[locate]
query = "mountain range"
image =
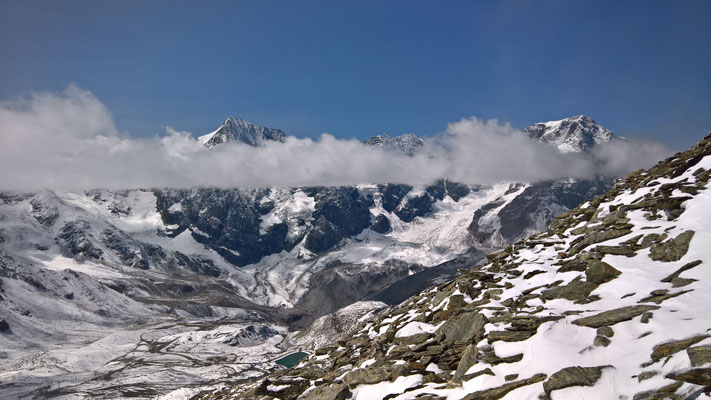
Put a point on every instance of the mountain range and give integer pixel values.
(609, 303)
(80, 271)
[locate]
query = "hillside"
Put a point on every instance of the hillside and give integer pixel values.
(611, 302)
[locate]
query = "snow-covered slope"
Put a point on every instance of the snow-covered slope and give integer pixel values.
(574, 134)
(610, 303)
(238, 130)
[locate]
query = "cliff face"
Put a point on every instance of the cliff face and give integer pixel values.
(610, 302)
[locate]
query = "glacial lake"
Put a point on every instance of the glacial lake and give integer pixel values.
(292, 359)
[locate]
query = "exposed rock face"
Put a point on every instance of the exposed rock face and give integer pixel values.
(381, 224)
(406, 143)
(551, 304)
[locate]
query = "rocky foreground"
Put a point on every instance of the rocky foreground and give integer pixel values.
(611, 303)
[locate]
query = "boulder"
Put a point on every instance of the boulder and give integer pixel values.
(601, 272)
(335, 391)
(611, 317)
(575, 290)
(367, 376)
(468, 359)
(503, 390)
(667, 349)
(699, 355)
(573, 376)
(464, 328)
(672, 249)
(697, 376)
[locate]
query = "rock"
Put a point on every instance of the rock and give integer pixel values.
(612, 317)
(381, 224)
(334, 391)
(510, 336)
(601, 341)
(468, 359)
(464, 328)
(673, 249)
(617, 250)
(367, 376)
(573, 376)
(501, 391)
(646, 375)
(667, 349)
(323, 236)
(605, 331)
(699, 355)
(4, 326)
(697, 376)
(575, 290)
(678, 272)
(511, 377)
(412, 339)
(601, 272)
(658, 296)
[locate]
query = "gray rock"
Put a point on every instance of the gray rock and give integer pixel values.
(464, 328)
(699, 355)
(612, 317)
(334, 391)
(503, 390)
(667, 349)
(573, 376)
(468, 359)
(697, 376)
(601, 272)
(673, 249)
(367, 376)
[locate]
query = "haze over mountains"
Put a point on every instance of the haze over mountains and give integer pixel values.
(69, 141)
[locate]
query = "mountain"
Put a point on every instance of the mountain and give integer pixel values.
(238, 130)
(609, 303)
(84, 271)
(575, 134)
(407, 143)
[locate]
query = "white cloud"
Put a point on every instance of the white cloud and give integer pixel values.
(69, 141)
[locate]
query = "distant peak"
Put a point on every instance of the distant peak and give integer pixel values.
(238, 130)
(578, 133)
(407, 143)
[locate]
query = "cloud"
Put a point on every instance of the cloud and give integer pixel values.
(69, 141)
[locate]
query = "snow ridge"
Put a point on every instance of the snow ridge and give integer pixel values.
(574, 134)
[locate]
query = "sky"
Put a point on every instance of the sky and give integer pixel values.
(356, 69)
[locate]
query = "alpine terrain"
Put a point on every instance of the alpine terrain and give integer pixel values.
(138, 293)
(611, 302)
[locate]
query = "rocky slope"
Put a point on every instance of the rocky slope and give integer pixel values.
(610, 302)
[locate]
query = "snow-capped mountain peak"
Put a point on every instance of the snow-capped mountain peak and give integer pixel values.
(574, 134)
(236, 129)
(407, 143)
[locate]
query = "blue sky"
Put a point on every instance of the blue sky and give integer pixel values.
(359, 68)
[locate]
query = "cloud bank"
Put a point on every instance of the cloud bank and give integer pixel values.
(69, 141)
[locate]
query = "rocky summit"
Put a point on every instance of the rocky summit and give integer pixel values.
(609, 303)
(241, 131)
